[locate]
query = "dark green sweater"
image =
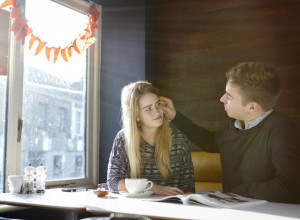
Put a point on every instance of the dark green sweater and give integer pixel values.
(262, 162)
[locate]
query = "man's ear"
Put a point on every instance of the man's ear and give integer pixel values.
(252, 107)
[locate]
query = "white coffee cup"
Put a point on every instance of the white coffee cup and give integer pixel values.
(137, 185)
(15, 183)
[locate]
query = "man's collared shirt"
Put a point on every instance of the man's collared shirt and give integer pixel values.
(253, 123)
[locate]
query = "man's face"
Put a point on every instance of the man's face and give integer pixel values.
(232, 100)
(150, 115)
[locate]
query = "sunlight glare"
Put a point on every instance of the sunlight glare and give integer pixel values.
(58, 26)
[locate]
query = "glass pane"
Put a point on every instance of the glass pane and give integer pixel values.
(54, 94)
(4, 25)
(2, 128)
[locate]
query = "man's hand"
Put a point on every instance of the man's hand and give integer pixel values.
(168, 107)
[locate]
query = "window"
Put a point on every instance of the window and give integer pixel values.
(4, 26)
(47, 96)
(78, 122)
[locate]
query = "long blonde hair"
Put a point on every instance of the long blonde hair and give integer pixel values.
(130, 97)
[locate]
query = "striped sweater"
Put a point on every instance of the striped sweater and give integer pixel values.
(182, 171)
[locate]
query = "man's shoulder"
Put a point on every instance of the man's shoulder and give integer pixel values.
(279, 124)
(278, 118)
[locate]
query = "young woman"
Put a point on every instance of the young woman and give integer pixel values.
(147, 147)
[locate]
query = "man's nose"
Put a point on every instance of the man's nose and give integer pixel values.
(223, 99)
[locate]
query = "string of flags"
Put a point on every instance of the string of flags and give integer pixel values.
(80, 43)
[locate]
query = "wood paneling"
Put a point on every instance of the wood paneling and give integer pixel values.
(191, 44)
(122, 61)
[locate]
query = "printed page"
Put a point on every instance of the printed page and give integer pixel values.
(172, 199)
(227, 200)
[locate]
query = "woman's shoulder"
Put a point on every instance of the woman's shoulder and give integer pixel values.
(179, 140)
(177, 133)
(120, 134)
(119, 138)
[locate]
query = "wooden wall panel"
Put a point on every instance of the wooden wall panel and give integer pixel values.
(193, 43)
(122, 61)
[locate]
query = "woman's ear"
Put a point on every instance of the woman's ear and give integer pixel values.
(138, 122)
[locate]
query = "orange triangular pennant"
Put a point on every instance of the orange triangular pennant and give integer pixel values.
(56, 52)
(39, 47)
(16, 13)
(95, 25)
(31, 41)
(95, 13)
(48, 50)
(7, 3)
(86, 35)
(75, 47)
(63, 54)
(70, 51)
(24, 32)
(21, 30)
(17, 25)
(92, 23)
(88, 43)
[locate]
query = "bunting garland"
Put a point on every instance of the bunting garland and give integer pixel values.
(21, 29)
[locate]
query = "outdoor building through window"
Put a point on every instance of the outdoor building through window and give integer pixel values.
(58, 107)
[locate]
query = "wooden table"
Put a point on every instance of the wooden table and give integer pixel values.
(86, 201)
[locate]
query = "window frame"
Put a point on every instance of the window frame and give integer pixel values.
(15, 99)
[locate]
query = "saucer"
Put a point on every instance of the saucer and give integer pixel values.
(136, 195)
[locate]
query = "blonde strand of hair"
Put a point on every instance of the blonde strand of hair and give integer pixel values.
(162, 149)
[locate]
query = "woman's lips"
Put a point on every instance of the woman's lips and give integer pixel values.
(159, 117)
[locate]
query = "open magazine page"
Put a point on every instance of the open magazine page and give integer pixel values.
(215, 199)
(226, 200)
(171, 199)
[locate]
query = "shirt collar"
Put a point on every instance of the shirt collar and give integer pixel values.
(253, 123)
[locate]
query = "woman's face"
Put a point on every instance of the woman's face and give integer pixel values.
(150, 115)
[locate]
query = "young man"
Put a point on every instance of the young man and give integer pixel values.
(259, 147)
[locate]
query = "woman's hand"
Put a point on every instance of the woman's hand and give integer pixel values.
(166, 190)
(168, 107)
(121, 185)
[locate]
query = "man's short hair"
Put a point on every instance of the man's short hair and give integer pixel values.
(257, 82)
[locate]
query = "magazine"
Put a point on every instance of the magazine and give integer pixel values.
(215, 199)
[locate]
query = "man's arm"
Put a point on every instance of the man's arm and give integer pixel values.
(196, 134)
